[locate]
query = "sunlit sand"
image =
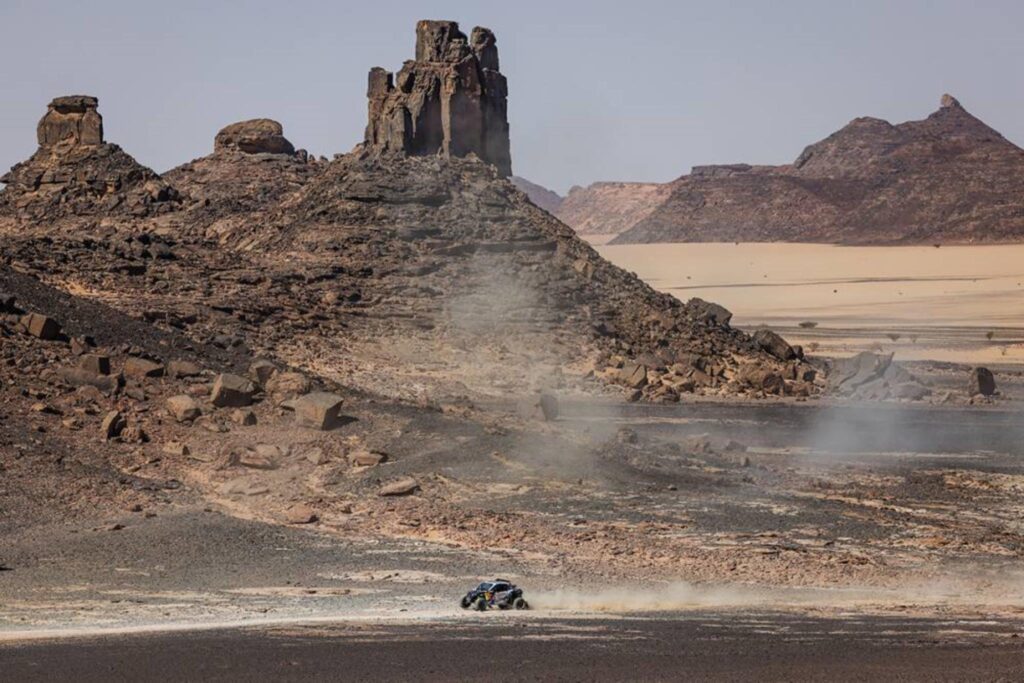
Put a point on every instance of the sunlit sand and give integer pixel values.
(952, 303)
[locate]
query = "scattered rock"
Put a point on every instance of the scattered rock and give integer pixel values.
(113, 424)
(183, 369)
(183, 408)
(232, 391)
(364, 458)
(77, 377)
(176, 448)
(774, 344)
(287, 385)
(399, 487)
(261, 371)
(318, 410)
(142, 368)
(549, 407)
(41, 326)
(300, 514)
(94, 364)
(245, 418)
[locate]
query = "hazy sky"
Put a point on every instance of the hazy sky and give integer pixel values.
(625, 90)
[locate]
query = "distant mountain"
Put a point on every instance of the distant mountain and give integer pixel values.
(948, 178)
(538, 194)
(610, 208)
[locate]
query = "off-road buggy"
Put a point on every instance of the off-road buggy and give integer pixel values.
(499, 593)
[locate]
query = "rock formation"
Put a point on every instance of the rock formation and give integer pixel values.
(256, 136)
(538, 194)
(451, 100)
(71, 120)
(252, 166)
(609, 208)
(75, 174)
(947, 178)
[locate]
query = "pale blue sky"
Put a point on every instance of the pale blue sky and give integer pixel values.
(627, 90)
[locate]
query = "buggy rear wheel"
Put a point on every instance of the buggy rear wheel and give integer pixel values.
(520, 603)
(480, 605)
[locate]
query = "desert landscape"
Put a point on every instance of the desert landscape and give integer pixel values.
(268, 414)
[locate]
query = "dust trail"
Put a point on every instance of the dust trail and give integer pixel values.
(678, 595)
(964, 589)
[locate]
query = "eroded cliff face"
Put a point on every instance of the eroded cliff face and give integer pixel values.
(451, 100)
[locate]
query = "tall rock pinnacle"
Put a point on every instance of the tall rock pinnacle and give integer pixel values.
(451, 100)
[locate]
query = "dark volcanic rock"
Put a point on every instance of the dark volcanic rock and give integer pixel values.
(982, 382)
(74, 173)
(253, 165)
(948, 178)
(451, 100)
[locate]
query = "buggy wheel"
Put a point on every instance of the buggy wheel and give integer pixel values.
(480, 605)
(465, 602)
(520, 603)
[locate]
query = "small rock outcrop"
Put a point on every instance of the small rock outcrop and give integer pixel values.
(256, 136)
(71, 120)
(75, 173)
(451, 100)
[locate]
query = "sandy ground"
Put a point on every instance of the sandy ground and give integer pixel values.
(958, 304)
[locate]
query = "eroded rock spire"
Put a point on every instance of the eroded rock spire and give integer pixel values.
(451, 100)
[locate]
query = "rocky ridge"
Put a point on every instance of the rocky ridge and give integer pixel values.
(946, 179)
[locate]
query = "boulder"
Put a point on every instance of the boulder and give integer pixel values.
(775, 345)
(318, 410)
(982, 382)
(633, 375)
(41, 326)
(142, 368)
(183, 408)
(232, 391)
(707, 312)
(77, 377)
(399, 487)
(255, 136)
(261, 371)
(364, 458)
(182, 369)
(94, 364)
(113, 424)
(287, 385)
(300, 513)
(549, 407)
(244, 418)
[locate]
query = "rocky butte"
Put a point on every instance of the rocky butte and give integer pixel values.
(76, 174)
(947, 178)
(451, 100)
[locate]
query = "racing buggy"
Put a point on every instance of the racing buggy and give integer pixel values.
(499, 593)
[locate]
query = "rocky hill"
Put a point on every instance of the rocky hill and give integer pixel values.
(946, 179)
(75, 174)
(411, 272)
(610, 208)
(546, 199)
